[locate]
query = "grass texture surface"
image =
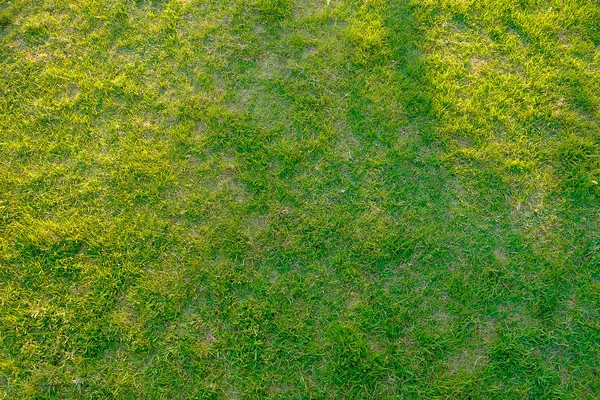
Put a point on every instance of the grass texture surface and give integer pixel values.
(309, 199)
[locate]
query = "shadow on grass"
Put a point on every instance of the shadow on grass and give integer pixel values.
(443, 191)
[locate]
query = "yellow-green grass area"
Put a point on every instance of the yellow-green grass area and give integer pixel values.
(303, 199)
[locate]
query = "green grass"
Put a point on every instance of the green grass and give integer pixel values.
(299, 199)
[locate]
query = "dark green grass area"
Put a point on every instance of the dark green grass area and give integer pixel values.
(299, 199)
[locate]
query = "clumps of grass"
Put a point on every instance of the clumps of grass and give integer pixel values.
(369, 32)
(48, 241)
(272, 11)
(579, 159)
(593, 252)
(5, 20)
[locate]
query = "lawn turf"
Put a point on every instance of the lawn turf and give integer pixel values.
(299, 199)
